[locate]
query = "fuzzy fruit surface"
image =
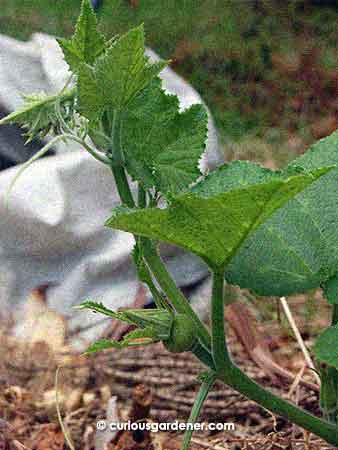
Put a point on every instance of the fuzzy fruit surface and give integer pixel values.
(182, 336)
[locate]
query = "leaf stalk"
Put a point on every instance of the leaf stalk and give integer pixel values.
(156, 266)
(219, 347)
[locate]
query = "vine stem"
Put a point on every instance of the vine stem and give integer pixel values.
(151, 257)
(156, 265)
(238, 380)
(168, 285)
(231, 375)
(196, 409)
(123, 186)
(43, 151)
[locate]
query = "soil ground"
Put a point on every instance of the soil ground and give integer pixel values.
(151, 384)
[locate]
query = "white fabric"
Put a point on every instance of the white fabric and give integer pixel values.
(52, 231)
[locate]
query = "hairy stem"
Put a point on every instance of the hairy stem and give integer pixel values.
(175, 295)
(156, 266)
(44, 150)
(204, 355)
(238, 380)
(123, 186)
(219, 347)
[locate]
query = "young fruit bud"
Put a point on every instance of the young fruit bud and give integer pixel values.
(182, 336)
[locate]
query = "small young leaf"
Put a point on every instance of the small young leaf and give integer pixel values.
(163, 146)
(103, 344)
(160, 320)
(326, 347)
(145, 336)
(101, 309)
(117, 75)
(38, 113)
(330, 288)
(87, 42)
(215, 226)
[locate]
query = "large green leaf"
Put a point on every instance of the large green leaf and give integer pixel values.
(326, 347)
(323, 153)
(163, 146)
(87, 42)
(214, 222)
(116, 76)
(296, 249)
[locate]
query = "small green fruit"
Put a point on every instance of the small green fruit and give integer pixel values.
(182, 335)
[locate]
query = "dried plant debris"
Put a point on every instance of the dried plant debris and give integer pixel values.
(149, 384)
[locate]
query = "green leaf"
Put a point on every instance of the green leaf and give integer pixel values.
(330, 288)
(38, 113)
(103, 344)
(159, 320)
(142, 270)
(117, 76)
(326, 347)
(163, 146)
(87, 42)
(98, 307)
(323, 153)
(296, 249)
(147, 335)
(136, 337)
(92, 101)
(211, 223)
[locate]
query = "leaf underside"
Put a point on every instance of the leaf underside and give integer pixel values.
(296, 249)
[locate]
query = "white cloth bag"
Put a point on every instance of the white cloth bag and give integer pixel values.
(52, 231)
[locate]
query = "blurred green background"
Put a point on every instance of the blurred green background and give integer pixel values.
(267, 69)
